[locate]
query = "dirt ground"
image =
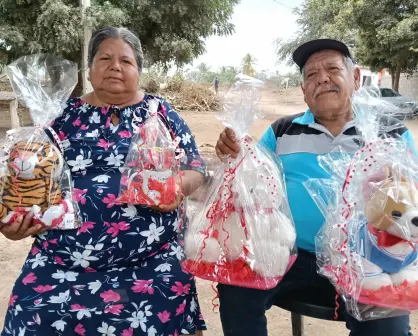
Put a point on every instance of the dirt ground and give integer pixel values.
(206, 129)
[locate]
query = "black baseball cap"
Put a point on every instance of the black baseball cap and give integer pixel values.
(304, 51)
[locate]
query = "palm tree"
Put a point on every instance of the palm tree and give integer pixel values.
(248, 63)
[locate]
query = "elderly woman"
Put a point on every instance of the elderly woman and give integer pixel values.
(119, 273)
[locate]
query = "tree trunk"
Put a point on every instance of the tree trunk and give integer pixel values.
(395, 83)
(78, 90)
(392, 76)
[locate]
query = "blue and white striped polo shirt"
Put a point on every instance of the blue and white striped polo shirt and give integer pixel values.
(299, 140)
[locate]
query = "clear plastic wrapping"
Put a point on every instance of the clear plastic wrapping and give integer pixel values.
(368, 245)
(151, 170)
(33, 174)
(243, 233)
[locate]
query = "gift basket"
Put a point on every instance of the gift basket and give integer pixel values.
(243, 233)
(368, 246)
(33, 175)
(151, 174)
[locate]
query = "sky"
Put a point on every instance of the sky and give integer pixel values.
(258, 23)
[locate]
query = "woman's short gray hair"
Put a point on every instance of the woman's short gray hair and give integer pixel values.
(116, 33)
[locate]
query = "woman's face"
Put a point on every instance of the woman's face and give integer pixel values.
(114, 69)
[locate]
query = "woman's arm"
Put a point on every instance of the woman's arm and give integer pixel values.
(190, 182)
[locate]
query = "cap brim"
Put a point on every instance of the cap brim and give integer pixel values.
(306, 50)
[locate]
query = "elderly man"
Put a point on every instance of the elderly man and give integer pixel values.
(329, 81)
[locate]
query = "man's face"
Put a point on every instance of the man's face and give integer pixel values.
(328, 84)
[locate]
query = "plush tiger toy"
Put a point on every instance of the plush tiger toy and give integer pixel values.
(32, 185)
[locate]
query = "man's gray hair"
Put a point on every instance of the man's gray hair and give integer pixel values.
(348, 61)
(116, 33)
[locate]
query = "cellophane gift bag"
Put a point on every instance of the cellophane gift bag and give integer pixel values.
(243, 233)
(368, 246)
(151, 174)
(34, 177)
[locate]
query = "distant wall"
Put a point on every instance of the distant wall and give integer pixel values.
(408, 85)
(5, 121)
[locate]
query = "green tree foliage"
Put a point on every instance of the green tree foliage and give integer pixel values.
(203, 74)
(381, 33)
(295, 78)
(40, 26)
(387, 35)
(172, 31)
(227, 74)
(248, 63)
(315, 20)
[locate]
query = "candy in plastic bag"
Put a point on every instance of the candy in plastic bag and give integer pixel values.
(368, 246)
(33, 174)
(152, 164)
(243, 233)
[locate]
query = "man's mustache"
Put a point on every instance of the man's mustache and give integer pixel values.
(328, 88)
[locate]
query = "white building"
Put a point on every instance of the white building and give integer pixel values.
(368, 78)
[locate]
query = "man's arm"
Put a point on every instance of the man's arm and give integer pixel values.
(407, 136)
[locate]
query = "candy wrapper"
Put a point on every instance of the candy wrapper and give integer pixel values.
(368, 245)
(243, 234)
(152, 164)
(33, 175)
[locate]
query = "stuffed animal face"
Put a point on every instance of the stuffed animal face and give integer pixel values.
(32, 160)
(402, 211)
(392, 206)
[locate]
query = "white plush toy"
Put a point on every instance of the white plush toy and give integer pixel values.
(245, 224)
(271, 233)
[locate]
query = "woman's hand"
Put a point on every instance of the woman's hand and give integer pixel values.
(189, 182)
(21, 228)
(173, 206)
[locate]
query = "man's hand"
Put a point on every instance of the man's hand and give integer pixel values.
(21, 228)
(227, 145)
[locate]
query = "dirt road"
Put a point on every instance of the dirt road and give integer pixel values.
(206, 129)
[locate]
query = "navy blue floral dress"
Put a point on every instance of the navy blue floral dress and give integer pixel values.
(119, 274)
